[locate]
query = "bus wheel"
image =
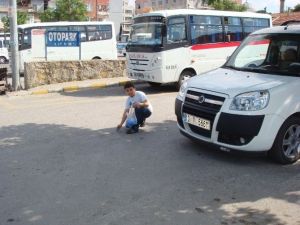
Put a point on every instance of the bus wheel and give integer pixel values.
(96, 58)
(154, 85)
(185, 75)
(286, 148)
(2, 60)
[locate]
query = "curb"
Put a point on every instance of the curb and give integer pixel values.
(74, 88)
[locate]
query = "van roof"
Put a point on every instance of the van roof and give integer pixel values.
(292, 29)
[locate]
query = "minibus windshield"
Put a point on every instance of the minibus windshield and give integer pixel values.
(146, 34)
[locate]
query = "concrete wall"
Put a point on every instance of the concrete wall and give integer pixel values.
(40, 73)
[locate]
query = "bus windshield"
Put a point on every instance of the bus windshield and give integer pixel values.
(146, 34)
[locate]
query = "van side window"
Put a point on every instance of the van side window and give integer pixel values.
(176, 31)
(288, 54)
(233, 29)
(206, 29)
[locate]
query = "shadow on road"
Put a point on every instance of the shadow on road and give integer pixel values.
(56, 174)
(119, 91)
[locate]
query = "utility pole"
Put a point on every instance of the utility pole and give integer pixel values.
(14, 45)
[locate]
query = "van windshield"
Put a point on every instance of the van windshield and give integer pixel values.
(271, 54)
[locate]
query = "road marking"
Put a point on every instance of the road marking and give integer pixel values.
(40, 92)
(98, 85)
(71, 88)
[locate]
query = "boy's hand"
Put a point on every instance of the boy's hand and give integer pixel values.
(137, 105)
(119, 126)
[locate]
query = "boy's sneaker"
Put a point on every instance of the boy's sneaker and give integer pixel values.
(143, 123)
(132, 130)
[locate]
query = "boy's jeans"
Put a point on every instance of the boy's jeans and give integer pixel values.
(141, 114)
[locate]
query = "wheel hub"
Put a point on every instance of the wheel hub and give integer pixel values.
(291, 142)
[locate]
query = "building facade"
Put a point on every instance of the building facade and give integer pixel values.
(98, 10)
(143, 6)
(121, 13)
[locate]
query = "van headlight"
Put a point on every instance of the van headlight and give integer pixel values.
(251, 101)
(182, 89)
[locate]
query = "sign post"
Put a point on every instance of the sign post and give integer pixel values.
(14, 45)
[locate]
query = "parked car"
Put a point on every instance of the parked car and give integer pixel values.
(252, 103)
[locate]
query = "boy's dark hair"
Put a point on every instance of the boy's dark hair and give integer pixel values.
(128, 84)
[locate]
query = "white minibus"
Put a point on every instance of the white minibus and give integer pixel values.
(97, 41)
(4, 46)
(173, 45)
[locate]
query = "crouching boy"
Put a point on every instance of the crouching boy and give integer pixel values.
(142, 107)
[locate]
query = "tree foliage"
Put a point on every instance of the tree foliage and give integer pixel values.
(227, 5)
(22, 17)
(297, 8)
(66, 10)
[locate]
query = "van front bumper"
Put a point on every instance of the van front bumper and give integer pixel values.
(234, 131)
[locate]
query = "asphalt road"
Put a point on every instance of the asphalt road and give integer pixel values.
(62, 162)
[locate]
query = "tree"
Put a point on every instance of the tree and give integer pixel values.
(297, 8)
(66, 10)
(228, 5)
(48, 16)
(22, 17)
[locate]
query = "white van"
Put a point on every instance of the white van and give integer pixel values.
(4, 57)
(252, 103)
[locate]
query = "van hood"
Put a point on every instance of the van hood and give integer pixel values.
(234, 82)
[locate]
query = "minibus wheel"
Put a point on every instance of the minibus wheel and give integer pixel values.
(286, 148)
(2, 60)
(185, 75)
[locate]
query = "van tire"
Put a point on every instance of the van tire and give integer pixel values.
(288, 137)
(2, 60)
(186, 74)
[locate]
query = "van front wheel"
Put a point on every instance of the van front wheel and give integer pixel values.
(286, 148)
(185, 75)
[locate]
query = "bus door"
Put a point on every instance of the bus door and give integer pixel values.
(177, 48)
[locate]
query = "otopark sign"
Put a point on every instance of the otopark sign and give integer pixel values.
(63, 39)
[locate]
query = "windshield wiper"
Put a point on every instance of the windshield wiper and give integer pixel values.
(233, 68)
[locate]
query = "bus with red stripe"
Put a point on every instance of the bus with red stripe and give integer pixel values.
(173, 45)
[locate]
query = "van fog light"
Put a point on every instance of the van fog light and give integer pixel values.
(242, 140)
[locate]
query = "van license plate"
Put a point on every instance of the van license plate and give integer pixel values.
(196, 121)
